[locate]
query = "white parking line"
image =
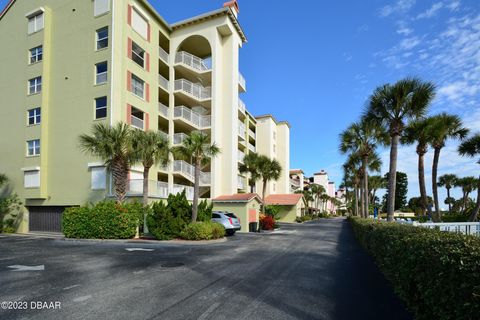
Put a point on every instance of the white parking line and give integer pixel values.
(207, 313)
(71, 287)
(81, 299)
(138, 249)
(19, 267)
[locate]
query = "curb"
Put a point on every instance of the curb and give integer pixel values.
(143, 241)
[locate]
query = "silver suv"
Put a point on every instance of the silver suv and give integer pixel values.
(228, 220)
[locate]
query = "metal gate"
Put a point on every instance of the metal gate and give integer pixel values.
(46, 219)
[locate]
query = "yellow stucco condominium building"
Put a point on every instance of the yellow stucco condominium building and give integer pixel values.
(69, 64)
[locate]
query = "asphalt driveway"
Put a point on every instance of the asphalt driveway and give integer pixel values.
(309, 271)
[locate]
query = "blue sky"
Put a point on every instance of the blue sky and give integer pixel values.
(314, 63)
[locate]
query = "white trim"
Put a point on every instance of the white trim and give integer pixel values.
(30, 169)
(136, 169)
(35, 12)
(95, 164)
(141, 12)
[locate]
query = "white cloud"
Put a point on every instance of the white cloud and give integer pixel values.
(404, 31)
(431, 11)
(409, 43)
(457, 90)
(401, 6)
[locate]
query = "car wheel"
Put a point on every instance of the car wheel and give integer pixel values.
(230, 232)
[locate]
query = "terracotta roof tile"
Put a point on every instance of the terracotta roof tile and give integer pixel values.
(283, 199)
(238, 197)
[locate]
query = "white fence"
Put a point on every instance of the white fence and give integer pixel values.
(472, 228)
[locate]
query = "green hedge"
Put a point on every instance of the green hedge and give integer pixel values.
(203, 231)
(436, 273)
(104, 220)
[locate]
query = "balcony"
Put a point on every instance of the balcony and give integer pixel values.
(252, 134)
(241, 130)
(251, 147)
(242, 84)
(241, 106)
(195, 119)
(188, 171)
(156, 189)
(240, 183)
(164, 56)
(163, 82)
(136, 122)
(192, 62)
(193, 90)
(240, 156)
(163, 134)
(178, 188)
(178, 138)
(163, 110)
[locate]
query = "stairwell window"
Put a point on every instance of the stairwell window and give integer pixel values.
(102, 38)
(35, 22)
(139, 23)
(101, 70)
(138, 54)
(33, 148)
(36, 54)
(34, 116)
(101, 108)
(101, 7)
(35, 85)
(137, 87)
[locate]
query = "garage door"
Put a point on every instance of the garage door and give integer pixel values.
(46, 219)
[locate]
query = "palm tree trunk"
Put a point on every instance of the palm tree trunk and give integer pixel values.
(356, 199)
(465, 198)
(392, 177)
(421, 182)
(449, 203)
(146, 170)
(474, 214)
(436, 156)
(196, 188)
(264, 191)
(120, 180)
(365, 185)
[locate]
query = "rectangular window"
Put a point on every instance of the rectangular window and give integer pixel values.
(102, 38)
(137, 118)
(35, 85)
(34, 116)
(137, 86)
(100, 107)
(138, 54)
(99, 178)
(31, 179)
(139, 24)
(35, 23)
(36, 54)
(33, 147)
(101, 72)
(100, 7)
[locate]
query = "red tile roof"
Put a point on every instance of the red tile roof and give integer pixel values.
(238, 197)
(283, 199)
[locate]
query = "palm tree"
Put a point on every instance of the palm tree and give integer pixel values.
(150, 148)
(363, 137)
(269, 169)
(250, 167)
(325, 198)
(448, 181)
(307, 197)
(114, 146)
(376, 182)
(468, 184)
(471, 148)
(198, 148)
(443, 127)
(418, 131)
(3, 179)
(353, 173)
(317, 190)
(393, 106)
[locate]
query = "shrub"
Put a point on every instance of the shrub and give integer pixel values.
(203, 231)
(267, 222)
(104, 220)
(454, 218)
(168, 220)
(436, 273)
(298, 219)
(204, 211)
(273, 211)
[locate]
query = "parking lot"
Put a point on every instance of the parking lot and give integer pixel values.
(308, 271)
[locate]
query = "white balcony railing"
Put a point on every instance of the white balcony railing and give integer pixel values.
(163, 82)
(178, 188)
(240, 156)
(472, 228)
(191, 61)
(193, 89)
(241, 105)
(163, 134)
(196, 119)
(178, 138)
(163, 109)
(189, 171)
(136, 122)
(162, 189)
(241, 129)
(163, 55)
(241, 183)
(205, 178)
(252, 134)
(242, 82)
(251, 147)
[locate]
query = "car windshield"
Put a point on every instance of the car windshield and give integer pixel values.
(231, 215)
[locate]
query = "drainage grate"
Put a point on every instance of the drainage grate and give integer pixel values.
(172, 265)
